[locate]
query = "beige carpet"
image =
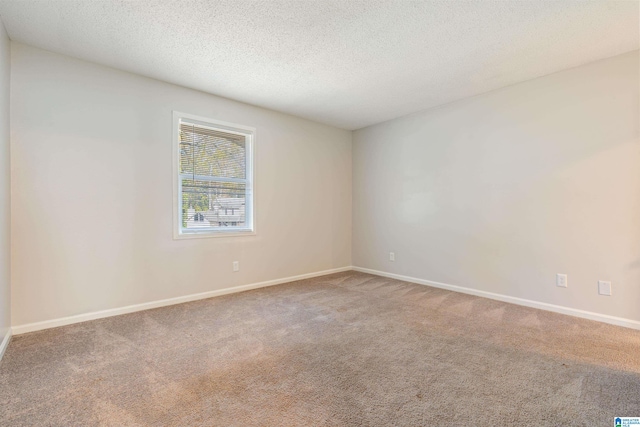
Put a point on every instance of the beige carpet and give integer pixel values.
(348, 349)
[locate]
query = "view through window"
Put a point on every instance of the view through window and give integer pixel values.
(214, 178)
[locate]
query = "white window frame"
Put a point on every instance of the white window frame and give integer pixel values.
(250, 212)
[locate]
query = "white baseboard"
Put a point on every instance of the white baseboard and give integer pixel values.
(5, 343)
(54, 323)
(619, 321)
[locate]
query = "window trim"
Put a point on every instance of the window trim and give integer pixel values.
(250, 205)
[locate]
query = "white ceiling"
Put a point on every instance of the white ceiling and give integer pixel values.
(348, 63)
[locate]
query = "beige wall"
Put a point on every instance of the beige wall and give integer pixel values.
(497, 193)
(5, 186)
(92, 187)
(502, 191)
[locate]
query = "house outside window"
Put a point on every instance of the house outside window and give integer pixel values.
(213, 177)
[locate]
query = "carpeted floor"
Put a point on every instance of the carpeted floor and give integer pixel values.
(348, 349)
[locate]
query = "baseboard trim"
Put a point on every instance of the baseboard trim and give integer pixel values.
(54, 323)
(5, 343)
(619, 321)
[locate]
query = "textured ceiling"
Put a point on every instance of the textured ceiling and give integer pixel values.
(348, 63)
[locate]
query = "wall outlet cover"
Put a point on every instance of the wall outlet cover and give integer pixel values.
(562, 280)
(604, 287)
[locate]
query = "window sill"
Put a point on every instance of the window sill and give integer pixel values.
(213, 234)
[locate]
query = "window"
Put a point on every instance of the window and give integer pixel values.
(213, 172)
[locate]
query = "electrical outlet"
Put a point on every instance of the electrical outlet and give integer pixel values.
(236, 266)
(604, 287)
(562, 280)
(392, 256)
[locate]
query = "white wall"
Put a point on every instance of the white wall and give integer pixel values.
(92, 192)
(5, 186)
(502, 191)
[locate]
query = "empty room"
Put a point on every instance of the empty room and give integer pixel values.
(319, 213)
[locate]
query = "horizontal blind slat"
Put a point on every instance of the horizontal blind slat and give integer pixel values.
(205, 151)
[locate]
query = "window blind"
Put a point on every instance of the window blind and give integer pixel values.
(212, 178)
(208, 152)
